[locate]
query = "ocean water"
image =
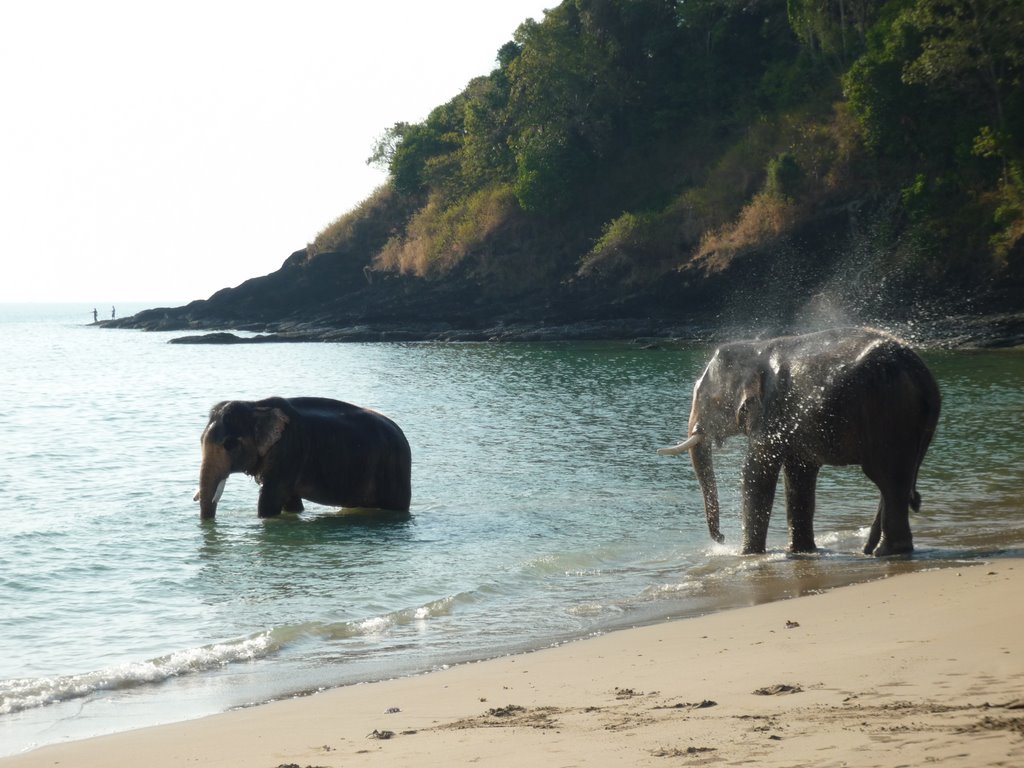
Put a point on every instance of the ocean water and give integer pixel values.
(541, 515)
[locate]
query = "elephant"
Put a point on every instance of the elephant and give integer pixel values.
(835, 397)
(312, 448)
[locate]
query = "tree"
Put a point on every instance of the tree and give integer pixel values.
(974, 48)
(555, 122)
(832, 28)
(939, 91)
(416, 154)
(387, 145)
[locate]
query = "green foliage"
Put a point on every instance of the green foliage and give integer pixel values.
(640, 134)
(624, 246)
(563, 102)
(835, 29)
(1009, 213)
(485, 154)
(440, 236)
(939, 91)
(416, 154)
(546, 167)
(784, 176)
(972, 48)
(362, 227)
(792, 82)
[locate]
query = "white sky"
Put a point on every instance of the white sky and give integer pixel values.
(159, 151)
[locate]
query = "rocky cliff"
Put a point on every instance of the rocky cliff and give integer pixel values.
(816, 277)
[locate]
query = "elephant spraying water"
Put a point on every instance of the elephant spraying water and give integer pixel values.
(836, 397)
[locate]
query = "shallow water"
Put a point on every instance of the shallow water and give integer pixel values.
(540, 514)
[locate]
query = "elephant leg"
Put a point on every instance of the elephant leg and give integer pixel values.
(294, 504)
(896, 538)
(273, 499)
(893, 519)
(760, 477)
(876, 531)
(801, 481)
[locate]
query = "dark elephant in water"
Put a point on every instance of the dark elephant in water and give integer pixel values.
(837, 397)
(312, 448)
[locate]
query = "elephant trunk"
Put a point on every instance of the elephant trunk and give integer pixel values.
(703, 465)
(213, 474)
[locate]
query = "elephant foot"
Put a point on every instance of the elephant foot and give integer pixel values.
(886, 548)
(798, 546)
(803, 550)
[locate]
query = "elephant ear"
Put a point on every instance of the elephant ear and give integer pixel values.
(270, 425)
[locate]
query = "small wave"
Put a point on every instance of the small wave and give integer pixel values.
(563, 564)
(844, 539)
(672, 590)
(591, 610)
(27, 693)
(376, 625)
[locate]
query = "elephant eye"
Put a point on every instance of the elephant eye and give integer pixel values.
(230, 443)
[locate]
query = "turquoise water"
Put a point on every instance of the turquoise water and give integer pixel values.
(541, 514)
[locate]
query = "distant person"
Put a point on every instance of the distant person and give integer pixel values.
(113, 312)
(95, 315)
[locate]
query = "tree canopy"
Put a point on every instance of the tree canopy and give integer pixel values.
(633, 137)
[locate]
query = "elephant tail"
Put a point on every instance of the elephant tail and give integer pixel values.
(915, 500)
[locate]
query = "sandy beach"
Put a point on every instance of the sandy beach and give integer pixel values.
(911, 670)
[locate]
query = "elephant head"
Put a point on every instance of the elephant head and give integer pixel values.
(728, 399)
(237, 439)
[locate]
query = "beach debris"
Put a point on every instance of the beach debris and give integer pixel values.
(988, 723)
(392, 711)
(676, 752)
(778, 690)
(629, 693)
(506, 711)
(792, 624)
(382, 735)
(510, 716)
(690, 705)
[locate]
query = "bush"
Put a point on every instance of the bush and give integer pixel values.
(783, 176)
(623, 244)
(439, 236)
(764, 219)
(383, 205)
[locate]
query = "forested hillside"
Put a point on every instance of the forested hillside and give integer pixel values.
(656, 158)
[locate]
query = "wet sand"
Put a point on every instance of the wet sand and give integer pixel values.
(914, 669)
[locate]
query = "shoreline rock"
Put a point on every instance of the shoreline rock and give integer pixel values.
(1003, 331)
(328, 299)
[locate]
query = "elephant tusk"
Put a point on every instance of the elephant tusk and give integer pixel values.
(216, 494)
(682, 447)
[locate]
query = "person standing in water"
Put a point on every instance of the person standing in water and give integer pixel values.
(112, 313)
(95, 315)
